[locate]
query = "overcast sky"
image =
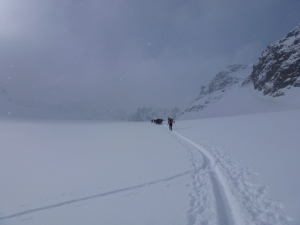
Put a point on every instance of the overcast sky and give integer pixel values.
(124, 54)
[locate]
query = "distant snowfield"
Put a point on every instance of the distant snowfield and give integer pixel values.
(140, 173)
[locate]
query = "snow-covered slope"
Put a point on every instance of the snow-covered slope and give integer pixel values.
(241, 101)
(215, 99)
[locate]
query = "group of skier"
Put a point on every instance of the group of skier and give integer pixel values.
(160, 121)
(157, 121)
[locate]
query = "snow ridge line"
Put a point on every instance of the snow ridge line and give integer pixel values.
(218, 180)
(98, 195)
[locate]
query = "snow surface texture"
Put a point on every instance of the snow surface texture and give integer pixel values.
(141, 173)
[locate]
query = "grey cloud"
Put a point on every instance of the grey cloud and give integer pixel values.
(130, 53)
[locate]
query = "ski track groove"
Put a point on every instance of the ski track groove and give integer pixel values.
(208, 165)
(238, 200)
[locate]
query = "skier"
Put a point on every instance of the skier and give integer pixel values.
(170, 122)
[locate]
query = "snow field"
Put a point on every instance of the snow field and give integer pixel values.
(141, 173)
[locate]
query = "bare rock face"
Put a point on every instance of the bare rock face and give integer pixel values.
(279, 66)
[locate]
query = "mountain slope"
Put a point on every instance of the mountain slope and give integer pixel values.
(224, 82)
(242, 90)
(240, 100)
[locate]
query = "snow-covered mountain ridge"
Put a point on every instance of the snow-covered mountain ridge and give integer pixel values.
(270, 85)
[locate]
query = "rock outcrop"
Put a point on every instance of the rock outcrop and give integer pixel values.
(279, 66)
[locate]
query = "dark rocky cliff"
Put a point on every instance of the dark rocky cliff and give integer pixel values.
(279, 66)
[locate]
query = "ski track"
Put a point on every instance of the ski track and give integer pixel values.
(237, 200)
(73, 201)
(226, 215)
(207, 205)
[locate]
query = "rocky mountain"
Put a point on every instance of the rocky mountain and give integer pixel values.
(276, 74)
(279, 66)
(149, 113)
